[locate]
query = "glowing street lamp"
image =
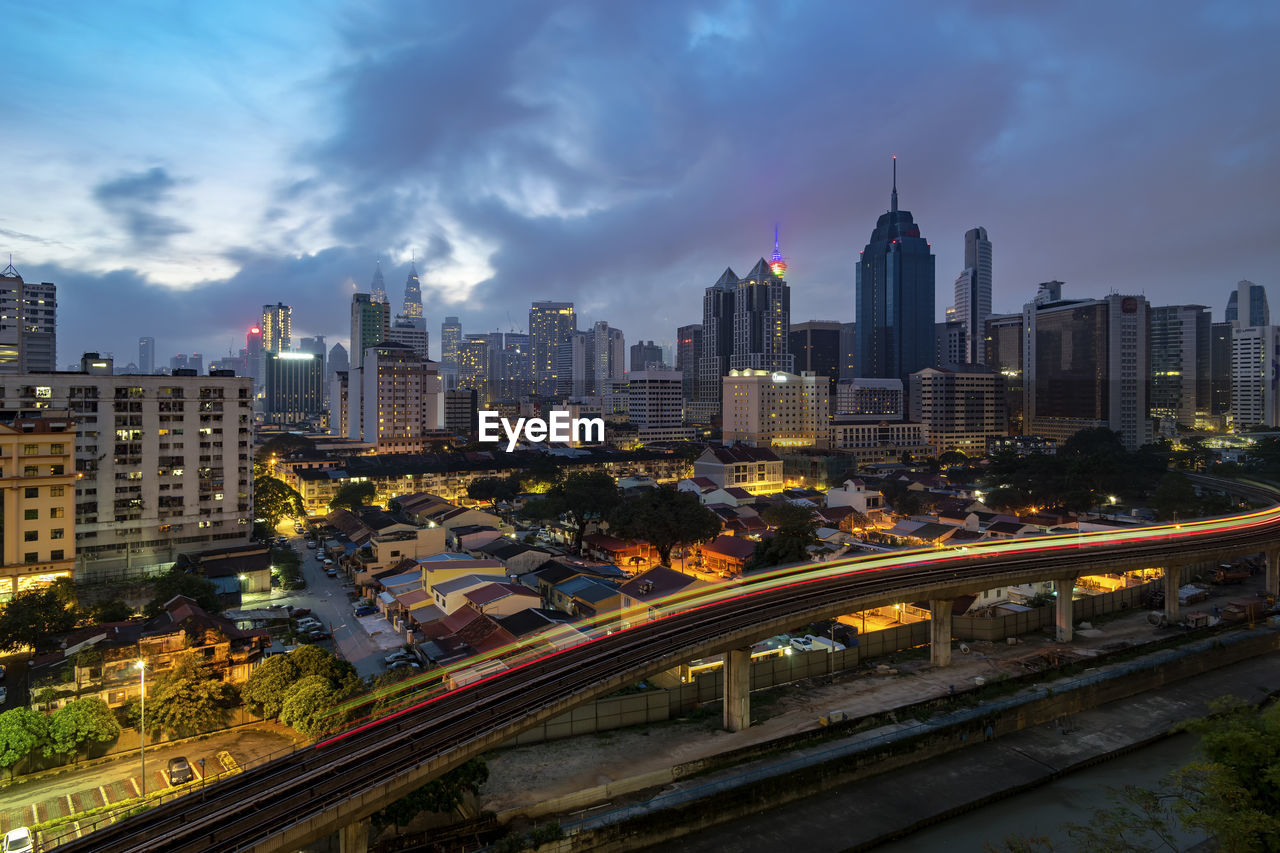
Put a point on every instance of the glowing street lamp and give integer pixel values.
(142, 719)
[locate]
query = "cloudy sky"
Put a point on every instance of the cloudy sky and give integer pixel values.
(173, 166)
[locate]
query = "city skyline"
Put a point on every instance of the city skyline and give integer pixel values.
(530, 191)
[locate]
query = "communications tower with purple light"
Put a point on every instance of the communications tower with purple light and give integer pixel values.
(776, 261)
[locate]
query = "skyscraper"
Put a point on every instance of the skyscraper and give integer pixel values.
(895, 297)
(645, 353)
(1255, 377)
(688, 350)
(28, 324)
(1086, 364)
(253, 353)
(815, 346)
(761, 320)
(1180, 359)
(378, 289)
(973, 293)
(403, 331)
(413, 299)
(277, 327)
(293, 387)
(717, 346)
(475, 367)
(516, 378)
(1220, 368)
(550, 326)
(394, 398)
(370, 325)
(1004, 354)
(450, 337)
(146, 356)
(609, 356)
(1253, 297)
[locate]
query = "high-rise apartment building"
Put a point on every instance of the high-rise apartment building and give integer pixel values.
(393, 399)
(815, 346)
(277, 327)
(475, 367)
(515, 377)
(973, 294)
(644, 354)
(253, 353)
(608, 356)
(412, 313)
(895, 297)
(293, 387)
(1247, 306)
(960, 407)
(862, 399)
(1181, 380)
(1003, 346)
(370, 325)
(550, 326)
(146, 356)
(461, 413)
(164, 463)
(848, 350)
(403, 331)
(28, 324)
(1086, 364)
(763, 408)
(717, 346)
(1255, 377)
(450, 337)
(688, 350)
(37, 500)
(948, 344)
(654, 403)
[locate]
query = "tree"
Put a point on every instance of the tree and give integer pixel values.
(34, 619)
(269, 685)
(22, 732)
(791, 520)
(114, 610)
(353, 496)
(284, 445)
(179, 582)
(313, 660)
(189, 699)
(665, 518)
(439, 795)
(81, 723)
(493, 489)
(794, 525)
(777, 551)
(274, 500)
(583, 496)
(1175, 497)
(542, 472)
(309, 701)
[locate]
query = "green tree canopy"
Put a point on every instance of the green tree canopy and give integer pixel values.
(81, 723)
(309, 701)
(284, 445)
(1175, 497)
(113, 610)
(275, 500)
(791, 520)
(34, 619)
(665, 518)
(22, 732)
(268, 685)
(179, 582)
(313, 660)
(493, 489)
(188, 699)
(542, 472)
(794, 525)
(353, 496)
(583, 496)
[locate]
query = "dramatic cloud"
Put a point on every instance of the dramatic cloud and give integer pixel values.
(132, 201)
(621, 155)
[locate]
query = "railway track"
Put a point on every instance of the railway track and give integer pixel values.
(265, 802)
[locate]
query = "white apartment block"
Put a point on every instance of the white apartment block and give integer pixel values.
(764, 408)
(655, 404)
(164, 463)
(960, 408)
(37, 491)
(28, 324)
(393, 399)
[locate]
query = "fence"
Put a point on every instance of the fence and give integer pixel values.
(997, 628)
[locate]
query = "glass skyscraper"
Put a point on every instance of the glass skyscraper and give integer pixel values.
(895, 297)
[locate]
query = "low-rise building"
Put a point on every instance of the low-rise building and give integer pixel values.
(37, 503)
(727, 556)
(756, 469)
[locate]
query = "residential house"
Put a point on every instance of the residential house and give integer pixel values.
(756, 469)
(452, 594)
(642, 594)
(502, 599)
(727, 556)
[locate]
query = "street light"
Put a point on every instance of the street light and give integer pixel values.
(142, 719)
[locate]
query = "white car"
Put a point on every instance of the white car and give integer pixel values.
(18, 841)
(4, 694)
(395, 656)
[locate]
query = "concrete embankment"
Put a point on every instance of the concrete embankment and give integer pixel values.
(1023, 739)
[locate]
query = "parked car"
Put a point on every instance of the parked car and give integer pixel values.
(299, 612)
(366, 610)
(3, 673)
(180, 771)
(18, 840)
(311, 543)
(317, 636)
(310, 625)
(802, 644)
(399, 654)
(4, 694)
(331, 572)
(299, 528)
(401, 664)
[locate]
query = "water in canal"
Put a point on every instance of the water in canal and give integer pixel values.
(1045, 811)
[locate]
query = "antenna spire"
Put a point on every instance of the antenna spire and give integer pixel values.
(776, 262)
(893, 198)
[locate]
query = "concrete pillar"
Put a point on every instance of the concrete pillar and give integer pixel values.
(354, 837)
(1273, 573)
(1065, 589)
(1172, 583)
(737, 690)
(940, 632)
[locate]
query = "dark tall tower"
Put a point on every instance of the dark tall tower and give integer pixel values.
(973, 294)
(717, 345)
(413, 298)
(894, 299)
